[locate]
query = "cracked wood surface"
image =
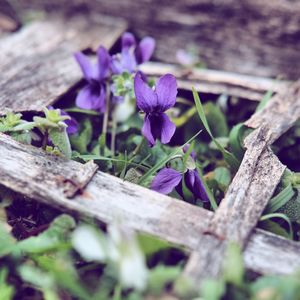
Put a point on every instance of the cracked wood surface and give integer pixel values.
(37, 62)
(41, 176)
(247, 36)
(251, 188)
(216, 82)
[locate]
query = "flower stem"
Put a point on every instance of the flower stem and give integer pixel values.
(45, 140)
(113, 135)
(105, 117)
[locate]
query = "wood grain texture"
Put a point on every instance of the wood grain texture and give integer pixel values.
(37, 61)
(216, 82)
(247, 36)
(250, 190)
(35, 174)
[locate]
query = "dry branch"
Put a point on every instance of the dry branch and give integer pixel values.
(37, 175)
(37, 62)
(217, 82)
(251, 188)
(247, 36)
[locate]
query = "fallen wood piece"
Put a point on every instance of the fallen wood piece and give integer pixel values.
(217, 82)
(37, 62)
(33, 173)
(250, 190)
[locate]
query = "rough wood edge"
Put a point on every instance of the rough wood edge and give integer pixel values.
(217, 82)
(250, 190)
(37, 175)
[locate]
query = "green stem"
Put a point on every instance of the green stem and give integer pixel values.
(45, 140)
(106, 115)
(113, 135)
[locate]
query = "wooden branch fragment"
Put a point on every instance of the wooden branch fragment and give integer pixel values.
(37, 175)
(238, 212)
(37, 62)
(250, 190)
(78, 181)
(282, 111)
(258, 37)
(216, 82)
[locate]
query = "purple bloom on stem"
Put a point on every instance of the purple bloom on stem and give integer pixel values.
(169, 179)
(72, 123)
(93, 95)
(154, 103)
(132, 54)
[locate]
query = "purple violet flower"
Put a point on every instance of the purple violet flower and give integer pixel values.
(154, 103)
(93, 95)
(72, 124)
(167, 179)
(132, 54)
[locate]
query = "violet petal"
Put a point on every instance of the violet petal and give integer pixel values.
(144, 50)
(166, 180)
(88, 69)
(166, 90)
(128, 40)
(128, 61)
(195, 185)
(147, 132)
(91, 97)
(146, 98)
(104, 60)
(167, 129)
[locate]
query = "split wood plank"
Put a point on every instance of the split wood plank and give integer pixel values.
(246, 36)
(250, 190)
(217, 82)
(37, 63)
(33, 173)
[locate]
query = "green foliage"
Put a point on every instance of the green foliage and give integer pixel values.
(228, 157)
(81, 140)
(6, 290)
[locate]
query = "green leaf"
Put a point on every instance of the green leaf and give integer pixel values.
(6, 290)
(236, 140)
(51, 239)
(81, 141)
(7, 242)
(274, 227)
(280, 216)
(216, 120)
(228, 157)
(233, 269)
(151, 245)
(160, 276)
(60, 139)
(82, 111)
(264, 100)
(223, 177)
(280, 199)
(185, 117)
(213, 289)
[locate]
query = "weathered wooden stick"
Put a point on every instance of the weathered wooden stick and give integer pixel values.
(250, 190)
(217, 82)
(37, 63)
(38, 175)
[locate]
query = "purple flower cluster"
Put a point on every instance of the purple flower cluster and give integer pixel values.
(167, 179)
(93, 94)
(132, 54)
(154, 103)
